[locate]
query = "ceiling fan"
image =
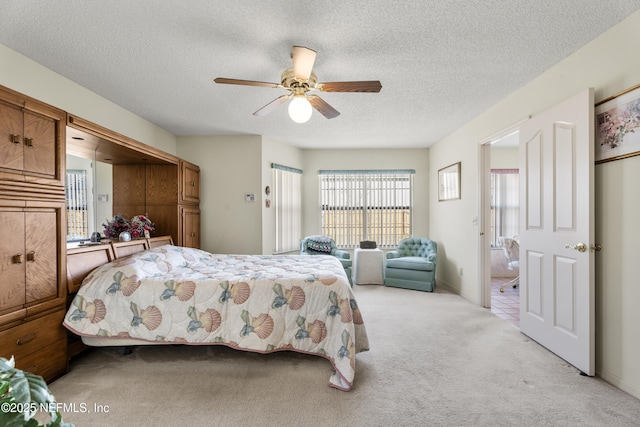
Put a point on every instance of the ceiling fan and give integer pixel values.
(300, 81)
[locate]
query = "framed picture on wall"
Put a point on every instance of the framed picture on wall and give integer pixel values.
(618, 126)
(449, 182)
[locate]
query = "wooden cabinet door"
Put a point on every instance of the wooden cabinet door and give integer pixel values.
(41, 256)
(190, 217)
(39, 144)
(129, 185)
(11, 123)
(162, 184)
(129, 194)
(190, 179)
(12, 260)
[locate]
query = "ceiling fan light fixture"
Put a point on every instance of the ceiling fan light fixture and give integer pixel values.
(303, 59)
(300, 109)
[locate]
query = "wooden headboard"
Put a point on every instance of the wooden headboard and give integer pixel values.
(84, 259)
(159, 241)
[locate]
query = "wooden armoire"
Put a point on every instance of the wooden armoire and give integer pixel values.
(32, 234)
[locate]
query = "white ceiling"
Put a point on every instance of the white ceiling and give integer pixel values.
(441, 62)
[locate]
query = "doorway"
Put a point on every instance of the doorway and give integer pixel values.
(499, 218)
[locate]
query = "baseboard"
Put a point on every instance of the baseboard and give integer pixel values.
(445, 285)
(618, 382)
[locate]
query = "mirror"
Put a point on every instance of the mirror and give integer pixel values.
(93, 152)
(449, 182)
(89, 196)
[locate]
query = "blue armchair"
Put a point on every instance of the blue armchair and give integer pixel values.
(324, 245)
(412, 265)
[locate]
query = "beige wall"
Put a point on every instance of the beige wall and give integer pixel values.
(504, 158)
(609, 64)
(32, 79)
(230, 168)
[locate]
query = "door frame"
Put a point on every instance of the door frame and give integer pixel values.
(484, 205)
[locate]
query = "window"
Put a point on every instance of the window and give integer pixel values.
(77, 209)
(505, 204)
(366, 205)
(287, 202)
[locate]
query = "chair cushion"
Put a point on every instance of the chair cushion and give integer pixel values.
(411, 263)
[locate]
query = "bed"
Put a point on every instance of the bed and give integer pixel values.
(157, 293)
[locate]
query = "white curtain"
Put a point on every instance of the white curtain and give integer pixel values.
(287, 202)
(505, 203)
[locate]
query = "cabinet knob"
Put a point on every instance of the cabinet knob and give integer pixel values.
(15, 138)
(31, 256)
(18, 259)
(193, 183)
(28, 142)
(193, 234)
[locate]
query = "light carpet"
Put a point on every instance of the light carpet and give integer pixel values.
(435, 360)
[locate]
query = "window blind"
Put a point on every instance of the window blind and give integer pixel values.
(366, 205)
(77, 209)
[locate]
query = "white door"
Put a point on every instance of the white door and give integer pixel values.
(557, 229)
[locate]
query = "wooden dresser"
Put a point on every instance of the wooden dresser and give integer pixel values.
(33, 230)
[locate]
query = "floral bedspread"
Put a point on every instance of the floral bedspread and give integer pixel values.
(248, 302)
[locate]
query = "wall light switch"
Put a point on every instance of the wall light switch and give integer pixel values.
(103, 198)
(250, 197)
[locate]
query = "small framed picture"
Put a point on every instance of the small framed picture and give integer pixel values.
(618, 126)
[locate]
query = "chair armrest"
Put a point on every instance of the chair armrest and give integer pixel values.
(393, 254)
(342, 254)
(432, 257)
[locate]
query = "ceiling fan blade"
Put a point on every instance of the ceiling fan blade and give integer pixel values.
(272, 105)
(363, 86)
(303, 59)
(245, 82)
(321, 105)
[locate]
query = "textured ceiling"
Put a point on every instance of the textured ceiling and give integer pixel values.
(441, 62)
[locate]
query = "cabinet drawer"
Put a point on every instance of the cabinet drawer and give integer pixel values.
(31, 336)
(49, 362)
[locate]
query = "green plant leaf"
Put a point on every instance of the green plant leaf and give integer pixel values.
(30, 391)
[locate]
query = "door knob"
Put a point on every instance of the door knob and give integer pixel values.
(580, 247)
(595, 247)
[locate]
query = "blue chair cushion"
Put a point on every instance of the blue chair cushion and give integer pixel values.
(411, 263)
